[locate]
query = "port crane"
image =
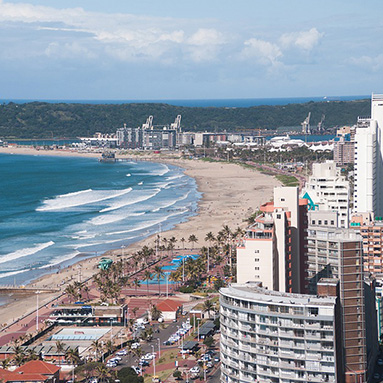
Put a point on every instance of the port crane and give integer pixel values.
(306, 125)
(320, 126)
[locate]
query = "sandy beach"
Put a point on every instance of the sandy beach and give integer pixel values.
(231, 193)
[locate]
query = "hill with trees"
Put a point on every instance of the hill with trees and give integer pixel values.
(58, 120)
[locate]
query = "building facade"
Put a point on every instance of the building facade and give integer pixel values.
(328, 190)
(368, 185)
(273, 248)
(268, 336)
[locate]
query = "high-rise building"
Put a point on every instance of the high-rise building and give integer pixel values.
(273, 249)
(269, 336)
(327, 190)
(337, 253)
(368, 186)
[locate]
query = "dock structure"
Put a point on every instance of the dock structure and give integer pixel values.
(26, 290)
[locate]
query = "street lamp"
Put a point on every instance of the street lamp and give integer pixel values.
(37, 310)
(159, 348)
(198, 320)
(154, 362)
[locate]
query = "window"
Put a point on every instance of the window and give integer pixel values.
(256, 259)
(256, 268)
(256, 251)
(278, 216)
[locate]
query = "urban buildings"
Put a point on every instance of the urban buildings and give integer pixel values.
(273, 249)
(269, 336)
(368, 184)
(327, 190)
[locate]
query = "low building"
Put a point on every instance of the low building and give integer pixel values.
(170, 309)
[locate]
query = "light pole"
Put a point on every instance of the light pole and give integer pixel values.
(37, 310)
(159, 348)
(167, 285)
(187, 376)
(154, 362)
(183, 269)
(198, 320)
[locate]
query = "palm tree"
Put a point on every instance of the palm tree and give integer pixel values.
(71, 292)
(193, 239)
(158, 272)
(5, 363)
(147, 277)
(60, 347)
(183, 242)
(155, 313)
(134, 311)
(19, 355)
(109, 346)
(103, 374)
(96, 346)
(72, 356)
(136, 283)
(208, 306)
(210, 238)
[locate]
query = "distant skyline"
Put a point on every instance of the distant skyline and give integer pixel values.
(148, 50)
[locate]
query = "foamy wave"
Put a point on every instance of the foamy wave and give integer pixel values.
(172, 178)
(128, 175)
(105, 219)
(160, 172)
(84, 197)
(11, 273)
(119, 205)
(57, 261)
(25, 252)
(172, 203)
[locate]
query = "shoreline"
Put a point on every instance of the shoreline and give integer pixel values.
(230, 193)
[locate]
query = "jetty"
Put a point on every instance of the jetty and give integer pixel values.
(7, 289)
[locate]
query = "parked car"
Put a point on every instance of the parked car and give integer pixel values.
(195, 370)
(122, 352)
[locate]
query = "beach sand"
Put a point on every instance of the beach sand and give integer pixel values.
(231, 193)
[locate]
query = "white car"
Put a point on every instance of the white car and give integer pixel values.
(134, 346)
(148, 356)
(122, 353)
(195, 370)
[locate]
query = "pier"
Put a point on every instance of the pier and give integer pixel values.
(25, 290)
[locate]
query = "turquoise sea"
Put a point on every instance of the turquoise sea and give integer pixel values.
(54, 210)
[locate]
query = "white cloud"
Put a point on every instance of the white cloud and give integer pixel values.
(68, 50)
(263, 52)
(371, 63)
(204, 45)
(305, 40)
(206, 37)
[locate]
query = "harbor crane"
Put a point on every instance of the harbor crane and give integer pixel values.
(306, 125)
(176, 124)
(320, 125)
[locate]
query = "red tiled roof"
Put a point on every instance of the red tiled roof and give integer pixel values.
(13, 376)
(169, 305)
(38, 367)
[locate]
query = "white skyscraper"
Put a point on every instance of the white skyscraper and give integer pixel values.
(368, 188)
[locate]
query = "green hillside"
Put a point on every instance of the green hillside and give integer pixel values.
(45, 120)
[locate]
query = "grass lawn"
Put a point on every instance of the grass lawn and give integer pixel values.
(287, 180)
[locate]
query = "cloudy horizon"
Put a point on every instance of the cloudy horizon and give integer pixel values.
(92, 50)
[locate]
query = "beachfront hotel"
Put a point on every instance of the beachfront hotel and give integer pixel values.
(368, 185)
(274, 337)
(273, 248)
(327, 190)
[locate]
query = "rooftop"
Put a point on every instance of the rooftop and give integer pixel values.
(252, 291)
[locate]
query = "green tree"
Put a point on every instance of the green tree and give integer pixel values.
(128, 375)
(147, 277)
(177, 374)
(209, 342)
(158, 272)
(193, 239)
(155, 313)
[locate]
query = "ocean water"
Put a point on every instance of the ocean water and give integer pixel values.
(219, 103)
(54, 210)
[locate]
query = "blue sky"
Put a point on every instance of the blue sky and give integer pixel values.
(167, 49)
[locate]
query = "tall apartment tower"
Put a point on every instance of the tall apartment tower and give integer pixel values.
(273, 249)
(368, 188)
(337, 253)
(328, 190)
(269, 336)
